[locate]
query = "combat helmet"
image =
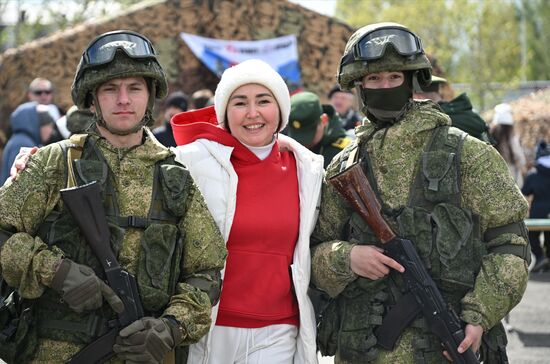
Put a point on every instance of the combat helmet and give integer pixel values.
(368, 50)
(118, 54)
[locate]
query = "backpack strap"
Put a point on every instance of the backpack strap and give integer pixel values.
(72, 149)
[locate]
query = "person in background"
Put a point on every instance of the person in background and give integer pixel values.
(262, 188)
(41, 91)
(175, 103)
(459, 109)
(507, 141)
(62, 123)
(343, 102)
(202, 98)
(316, 126)
(537, 188)
(447, 192)
(32, 126)
(79, 120)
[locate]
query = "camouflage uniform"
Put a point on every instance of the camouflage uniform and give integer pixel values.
(334, 139)
(170, 257)
(471, 258)
(487, 190)
(29, 264)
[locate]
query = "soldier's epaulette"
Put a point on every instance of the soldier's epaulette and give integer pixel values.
(341, 143)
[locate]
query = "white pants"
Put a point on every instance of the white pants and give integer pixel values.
(275, 344)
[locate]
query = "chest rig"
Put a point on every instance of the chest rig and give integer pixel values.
(160, 247)
(446, 236)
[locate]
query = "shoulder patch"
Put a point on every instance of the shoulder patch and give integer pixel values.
(341, 143)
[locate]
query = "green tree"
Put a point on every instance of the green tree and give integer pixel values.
(475, 42)
(537, 23)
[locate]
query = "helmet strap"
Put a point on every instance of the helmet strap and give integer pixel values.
(415, 83)
(148, 119)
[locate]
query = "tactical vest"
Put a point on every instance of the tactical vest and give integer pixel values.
(158, 268)
(447, 237)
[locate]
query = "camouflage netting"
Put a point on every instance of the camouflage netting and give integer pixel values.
(531, 120)
(321, 42)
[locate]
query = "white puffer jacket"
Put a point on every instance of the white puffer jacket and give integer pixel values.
(210, 166)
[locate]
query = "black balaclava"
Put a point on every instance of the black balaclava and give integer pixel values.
(387, 105)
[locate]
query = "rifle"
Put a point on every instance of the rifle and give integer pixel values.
(424, 295)
(86, 207)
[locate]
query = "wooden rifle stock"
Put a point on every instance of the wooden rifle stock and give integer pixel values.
(354, 186)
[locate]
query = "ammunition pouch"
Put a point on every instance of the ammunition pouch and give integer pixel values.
(158, 266)
(18, 334)
(328, 325)
(348, 322)
(493, 346)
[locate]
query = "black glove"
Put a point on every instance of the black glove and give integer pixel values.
(148, 340)
(81, 289)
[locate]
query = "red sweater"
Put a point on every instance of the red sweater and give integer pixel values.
(257, 287)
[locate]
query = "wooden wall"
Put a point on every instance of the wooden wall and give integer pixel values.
(321, 41)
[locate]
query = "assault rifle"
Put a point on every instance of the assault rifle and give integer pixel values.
(424, 295)
(85, 205)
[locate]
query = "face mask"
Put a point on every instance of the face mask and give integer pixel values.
(386, 104)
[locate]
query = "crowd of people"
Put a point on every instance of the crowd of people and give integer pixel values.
(227, 219)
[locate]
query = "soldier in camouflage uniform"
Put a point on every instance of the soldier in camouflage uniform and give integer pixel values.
(459, 109)
(316, 126)
(448, 192)
(78, 120)
(161, 230)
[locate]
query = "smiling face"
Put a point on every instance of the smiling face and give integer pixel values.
(123, 102)
(383, 79)
(253, 115)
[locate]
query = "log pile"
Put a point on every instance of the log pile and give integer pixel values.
(321, 41)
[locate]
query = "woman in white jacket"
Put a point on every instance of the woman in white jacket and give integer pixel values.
(263, 189)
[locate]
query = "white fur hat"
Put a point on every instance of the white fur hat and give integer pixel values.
(252, 71)
(503, 115)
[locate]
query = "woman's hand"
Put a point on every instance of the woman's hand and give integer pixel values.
(20, 162)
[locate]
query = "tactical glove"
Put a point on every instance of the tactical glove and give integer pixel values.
(81, 289)
(148, 340)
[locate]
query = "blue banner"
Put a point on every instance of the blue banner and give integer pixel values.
(217, 54)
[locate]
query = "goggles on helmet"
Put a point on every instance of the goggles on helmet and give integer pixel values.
(103, 49)
(373, 45)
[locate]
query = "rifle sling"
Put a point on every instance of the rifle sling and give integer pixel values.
(396, 320)
(98, 351)
(94, 326)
